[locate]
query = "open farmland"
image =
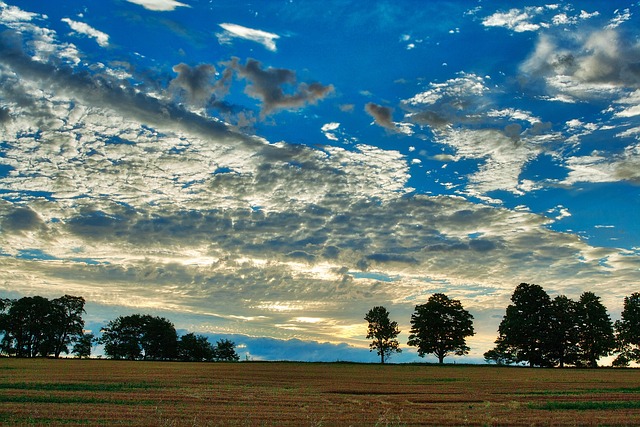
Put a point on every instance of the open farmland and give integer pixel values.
(105, 392)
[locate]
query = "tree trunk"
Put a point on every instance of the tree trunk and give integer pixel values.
(441, 359)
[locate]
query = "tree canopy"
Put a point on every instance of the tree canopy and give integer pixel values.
(137, 337)
(225, 351)
(595, 330)
(146, 337)
(628, 331)
(383, 332)
(35, 326)
(440, 327)
(544, 332)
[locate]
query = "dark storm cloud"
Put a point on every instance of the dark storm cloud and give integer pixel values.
(199, 82)
(382, 115)
(98, 225)
(5, 115)
(392, 258)
(430, 118)
(268, 85)
(21, 219)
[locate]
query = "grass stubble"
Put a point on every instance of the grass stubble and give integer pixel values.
(106, 392)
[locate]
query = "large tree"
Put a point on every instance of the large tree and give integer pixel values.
(26, 327)
(225, 351)
(383, 332)
(84, 344)
(195, 348)
(563, 334)
(35, 326)
(628, 331)
(440, 327)
(159, 339)
(524, 329)
(139, 336)
(122, 337)
(66, 323)
(596, 338)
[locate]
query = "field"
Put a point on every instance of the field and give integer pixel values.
(104, 392)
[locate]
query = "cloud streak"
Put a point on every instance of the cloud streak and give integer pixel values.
(81, 28)
(159, 5)
(268, 40)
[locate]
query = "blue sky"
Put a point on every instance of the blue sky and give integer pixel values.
(271, 170)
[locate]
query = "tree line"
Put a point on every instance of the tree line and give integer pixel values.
(535, 330)
(39, 327)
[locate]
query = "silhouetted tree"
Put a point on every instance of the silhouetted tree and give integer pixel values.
(66, 323)
(35, 326)
(139, 336)
(440, 327)
(628, 332)
(499, 356)
(122, 337)
(25, 324)
(524, 330)
(225, 351)
(563, 333)
(159, 339)
(83, 345)
(596, 337)
(195, 348)
(383, 332)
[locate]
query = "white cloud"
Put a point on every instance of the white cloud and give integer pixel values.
(44, 41)
(534, 18)
(619, 18)
(13, 14)
(465, 85)
(81, 28)
(629, 112)
(514, 114)
(501, 160)
(635, 131)
(328, 129)
(159, 5)
(264, 38)
(560, 212)
(584, 66)
(601, 167)
(633, 102)
(515, 19)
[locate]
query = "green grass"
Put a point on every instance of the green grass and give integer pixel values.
(623, 390)
(585, 406)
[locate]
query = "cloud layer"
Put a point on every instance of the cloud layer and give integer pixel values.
(135, 193)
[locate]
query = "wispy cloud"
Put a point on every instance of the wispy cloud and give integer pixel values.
(268, 40)
(81, 28)
(537, 18)
(159, 5)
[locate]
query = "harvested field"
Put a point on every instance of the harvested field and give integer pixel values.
(105, 392)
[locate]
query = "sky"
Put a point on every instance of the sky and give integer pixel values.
(269, 171)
